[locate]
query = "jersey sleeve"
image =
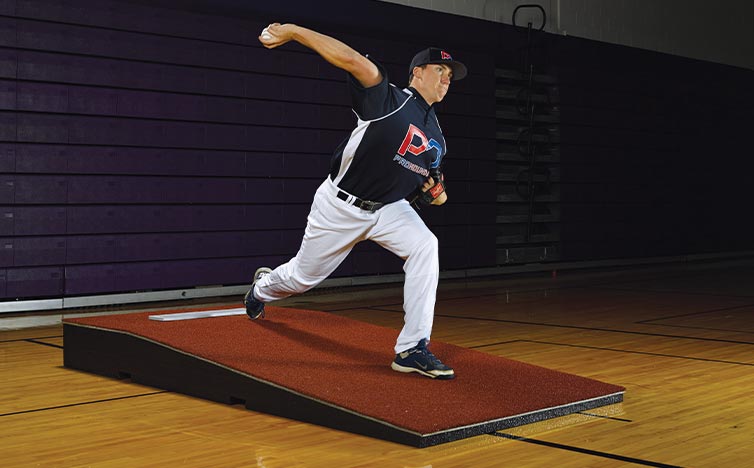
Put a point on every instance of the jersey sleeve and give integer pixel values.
(373, 102)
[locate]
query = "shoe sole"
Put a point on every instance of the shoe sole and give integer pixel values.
(260, 315)
(406, 370)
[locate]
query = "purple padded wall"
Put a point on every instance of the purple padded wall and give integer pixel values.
(157, 145)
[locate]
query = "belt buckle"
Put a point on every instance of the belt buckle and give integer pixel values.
(369, 206)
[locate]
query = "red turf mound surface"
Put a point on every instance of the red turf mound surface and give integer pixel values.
(346, 363)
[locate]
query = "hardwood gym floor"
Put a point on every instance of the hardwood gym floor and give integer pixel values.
(680, 338)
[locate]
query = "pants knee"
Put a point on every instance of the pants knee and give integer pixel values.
(425, 251)
(429, 245)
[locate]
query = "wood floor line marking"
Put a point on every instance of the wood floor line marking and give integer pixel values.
(34, 341)
(585, 451)
(495, 344)
(737, 363)
(689, 314)
(685, 293)
(630, 332)
(106, 400)
(576, 327)
(670, 325)
(601, 416)
(15, 340)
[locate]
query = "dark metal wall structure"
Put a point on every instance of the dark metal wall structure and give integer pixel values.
(156, 145)
(528, 147)
(634, 154)
(656, 154)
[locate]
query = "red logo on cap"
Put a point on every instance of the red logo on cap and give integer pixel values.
(445, 56)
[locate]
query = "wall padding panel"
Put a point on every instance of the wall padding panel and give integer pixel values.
(157, 145)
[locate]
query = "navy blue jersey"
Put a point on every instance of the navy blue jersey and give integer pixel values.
(396, 141)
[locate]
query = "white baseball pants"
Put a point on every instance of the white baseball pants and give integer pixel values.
(334, 227)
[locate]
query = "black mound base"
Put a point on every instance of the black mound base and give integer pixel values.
(123, 354)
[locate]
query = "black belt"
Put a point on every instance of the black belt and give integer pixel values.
(366, 205)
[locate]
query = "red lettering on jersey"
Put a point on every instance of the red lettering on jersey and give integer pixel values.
(408, 142)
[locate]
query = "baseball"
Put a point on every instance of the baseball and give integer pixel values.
(265, 35)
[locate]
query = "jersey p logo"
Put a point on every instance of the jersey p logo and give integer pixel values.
(408, 144)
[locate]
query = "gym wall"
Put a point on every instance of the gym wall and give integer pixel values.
(150, 146)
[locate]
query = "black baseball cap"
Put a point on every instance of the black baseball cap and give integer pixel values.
(435, 55)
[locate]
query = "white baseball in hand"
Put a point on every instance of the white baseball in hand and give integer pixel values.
(266, 35)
